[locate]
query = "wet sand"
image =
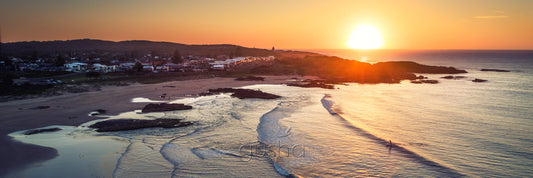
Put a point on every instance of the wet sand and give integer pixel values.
(73, 110)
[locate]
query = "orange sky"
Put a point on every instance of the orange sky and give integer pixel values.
(293, 24)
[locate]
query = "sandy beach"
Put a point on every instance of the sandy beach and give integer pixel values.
(73, 109)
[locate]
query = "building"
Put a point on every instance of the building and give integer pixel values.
(104, 68)
(218, 67)
(148, 68)
(76, 67)
(126, 66)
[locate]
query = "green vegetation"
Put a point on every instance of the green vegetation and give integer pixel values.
(35, 74)
(176, 57)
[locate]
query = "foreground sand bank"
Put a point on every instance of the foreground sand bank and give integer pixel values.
(73, 109)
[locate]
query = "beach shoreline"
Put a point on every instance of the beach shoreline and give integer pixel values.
(73, 109)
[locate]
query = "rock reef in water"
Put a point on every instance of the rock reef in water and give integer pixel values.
(448, 77)
(424, 81)
(413, 67)
(314, 84)
(250, 78)
(164, 107)
(37, 131)
(479, 80)
(453, 77)
(132, 124)
(494, 70)
(241, 93)
(40, 107)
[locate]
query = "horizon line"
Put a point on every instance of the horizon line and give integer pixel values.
(425, 49)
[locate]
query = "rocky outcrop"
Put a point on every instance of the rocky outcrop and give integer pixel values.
(40, 107)
(241, 93)
(430, 81)
(132, 124)
(494, 70)
(453, 77)
(413, 67)
(313, 84)
(37, 131)
(424, 81)
(448, 77)
(162, 107)
(250, 78)
(479, 80)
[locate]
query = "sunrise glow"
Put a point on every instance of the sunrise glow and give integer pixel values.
(365, 37)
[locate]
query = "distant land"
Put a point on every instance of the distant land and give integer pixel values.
(27, 60)
(133, 46)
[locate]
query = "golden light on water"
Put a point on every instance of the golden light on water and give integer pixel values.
(365, 37)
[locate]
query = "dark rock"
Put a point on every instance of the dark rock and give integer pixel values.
(479, 80)
(250, 78)
(448, 77)
(314, 84)
(413, 67)
(164, 107)
(424, 81)
(430, 81)
(169, 86)
(41, 107)
(241, 93)
(453, 77)
(37, 131)
(494, 70)
(132, 124)
(101, 111)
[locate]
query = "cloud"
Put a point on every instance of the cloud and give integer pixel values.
(491, 17)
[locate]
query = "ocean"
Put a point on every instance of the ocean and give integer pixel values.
(454, 128)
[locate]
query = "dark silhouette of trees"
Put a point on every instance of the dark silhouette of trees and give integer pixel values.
(34, 55)
(60, 61)
(138, 67)
(176, 57)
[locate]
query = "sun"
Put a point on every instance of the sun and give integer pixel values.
(365, 37)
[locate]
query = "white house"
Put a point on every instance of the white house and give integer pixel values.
(162, 68)
(104, 68)
(173, 67)
(148, 68)
(126, 66)
(218, 67)
(76, 67)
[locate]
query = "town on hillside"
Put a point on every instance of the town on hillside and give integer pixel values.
(151, 62)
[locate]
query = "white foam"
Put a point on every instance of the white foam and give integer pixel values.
(145, 100)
